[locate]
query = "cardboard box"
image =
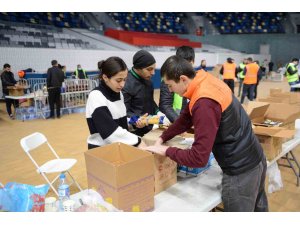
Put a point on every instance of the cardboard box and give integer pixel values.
(216, 71)
(165, 170)
(123, 173)
(26, 102)
(285, 113)
(15, 91)
(275, 91)
(279, 112)
(271, 139)
(276, 95)
(256, 111)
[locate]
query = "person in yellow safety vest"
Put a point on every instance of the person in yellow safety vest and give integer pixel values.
(171, 104)
(229, 72)
(251, 72)
(80, 73)
(241, 75)
(292, 73)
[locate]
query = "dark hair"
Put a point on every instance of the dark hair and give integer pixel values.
(6, 65)
(186, 52)
(111, 66)
(176, 66)
(250, 59)
(59, 66)
(295, 59)
(53, 62)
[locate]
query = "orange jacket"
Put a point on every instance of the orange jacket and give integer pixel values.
(205, 85)
(251, 73)
(229, 70)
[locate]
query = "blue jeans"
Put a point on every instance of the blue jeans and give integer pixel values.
(292, 83)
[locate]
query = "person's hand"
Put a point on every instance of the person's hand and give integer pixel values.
(139, 123)
(159, 141)
(166, 121)
(158, 149)
(142, 145)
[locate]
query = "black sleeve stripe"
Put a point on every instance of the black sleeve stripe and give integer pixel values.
(104, 122)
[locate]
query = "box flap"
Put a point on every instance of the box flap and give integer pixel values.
(256, 109)
(274, 132)
(283, 112)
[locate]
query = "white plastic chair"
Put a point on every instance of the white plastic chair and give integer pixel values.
(56, 165)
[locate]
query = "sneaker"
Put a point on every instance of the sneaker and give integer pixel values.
(50, 117)
(12, 116)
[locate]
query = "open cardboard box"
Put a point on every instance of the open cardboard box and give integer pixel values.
(123, 173)
(278, 112)
(271, 139)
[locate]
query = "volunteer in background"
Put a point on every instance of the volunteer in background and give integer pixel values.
(80, 73)
(229, 72)
(170, 103)
(222, 126)
(138, 90)
(105, 108)
(250, 80)
(259, 77)
(7, 79)
(55, 78)
(241, 75)
(292, 73)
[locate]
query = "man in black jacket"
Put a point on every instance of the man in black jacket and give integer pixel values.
(171, 103)
(55, 77)
(138, 90)
(7, 78)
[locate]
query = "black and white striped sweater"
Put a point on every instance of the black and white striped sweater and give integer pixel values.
(106, 118)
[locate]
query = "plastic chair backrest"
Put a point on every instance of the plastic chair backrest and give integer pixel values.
(297, 127)
(33, 141)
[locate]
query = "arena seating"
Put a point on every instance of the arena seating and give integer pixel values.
(63, 19)
(246, 22)
(38, 36)
(163, 22)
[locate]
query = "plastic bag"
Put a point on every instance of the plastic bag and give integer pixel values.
(275, 181)
(15, 197)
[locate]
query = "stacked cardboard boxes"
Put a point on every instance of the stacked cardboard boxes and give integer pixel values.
(123, 174)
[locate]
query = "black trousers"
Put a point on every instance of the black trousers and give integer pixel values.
(230, 83)
(9, 102)
(54, 99)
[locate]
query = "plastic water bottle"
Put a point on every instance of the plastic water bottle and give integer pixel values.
(63, 191)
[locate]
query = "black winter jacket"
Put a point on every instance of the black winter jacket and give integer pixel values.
(55, 77)
(138, 98)
(166, 103)
(7, 79)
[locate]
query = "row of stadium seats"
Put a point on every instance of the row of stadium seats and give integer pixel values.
(246, 22)
(63, 19)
